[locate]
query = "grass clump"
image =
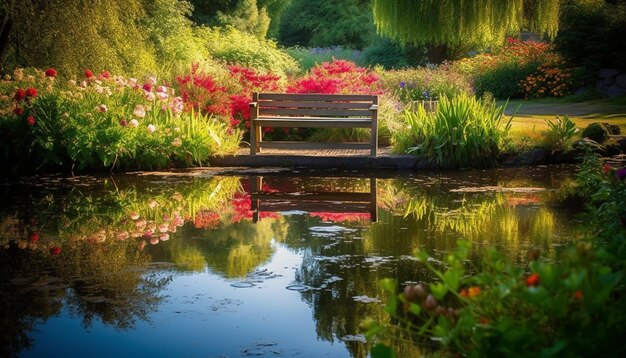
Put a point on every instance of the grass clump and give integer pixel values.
(465, 131)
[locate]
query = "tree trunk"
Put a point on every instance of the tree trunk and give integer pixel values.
(5, 36)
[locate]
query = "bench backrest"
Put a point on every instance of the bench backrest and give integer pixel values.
(314, 105)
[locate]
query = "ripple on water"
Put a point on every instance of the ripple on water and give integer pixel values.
(242, 284)
(298, 287)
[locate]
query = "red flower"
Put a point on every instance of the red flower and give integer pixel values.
(88, 73)
(31, 121)
(51, 72)
(34, 236)
(105, 74)
(533, 280)
(20, 94)
(578, 295)
(18, 111)
(123, 123)
(147, 87)
(31, 92)
(606, 169)
(54, 251)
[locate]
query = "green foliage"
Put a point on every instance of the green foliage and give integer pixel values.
(592, 34)
(325, 23)
(247, 17)
(311, 57)
(485, 22)
(73, 35)
(464, 131)
(561, 134)
(570, 307)
(389, 54)
(596, 132)
(235, 47)
(424, 83)
(503, 81)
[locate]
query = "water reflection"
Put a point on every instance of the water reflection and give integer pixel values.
(214, 254)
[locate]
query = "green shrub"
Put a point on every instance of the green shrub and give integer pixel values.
(561, 134)
(464, 131)
(237, 48)
(596, 132)
(311, 57)
(503, 81)
(391, 55)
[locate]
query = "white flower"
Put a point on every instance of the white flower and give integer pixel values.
(139, 111)
(151, 128)
(133, 123)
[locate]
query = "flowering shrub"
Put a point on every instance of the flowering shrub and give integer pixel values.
(568, 308)
(336, 77)
(502, 71)
(102, 121)
(548, 81)
(424, 83)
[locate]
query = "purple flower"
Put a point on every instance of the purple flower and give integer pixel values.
(621, 174)
(402, 84)
(426, 94)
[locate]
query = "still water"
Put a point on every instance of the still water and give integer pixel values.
(196, 264)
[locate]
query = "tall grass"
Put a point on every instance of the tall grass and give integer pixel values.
(465, 131)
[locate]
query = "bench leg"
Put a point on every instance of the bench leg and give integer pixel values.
(259, 138)
(374, 141)
(253, 144)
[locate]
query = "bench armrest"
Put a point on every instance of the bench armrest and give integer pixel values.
(374, 107)
(253, 104)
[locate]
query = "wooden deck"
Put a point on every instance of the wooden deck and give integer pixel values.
(321, 159)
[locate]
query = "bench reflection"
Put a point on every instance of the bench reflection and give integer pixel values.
(312, 200)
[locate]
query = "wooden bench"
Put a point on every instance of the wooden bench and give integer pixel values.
(312, 111)
(312, 201)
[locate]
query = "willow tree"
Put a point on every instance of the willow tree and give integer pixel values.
(454, 24)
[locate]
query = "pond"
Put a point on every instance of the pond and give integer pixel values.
(206, 264)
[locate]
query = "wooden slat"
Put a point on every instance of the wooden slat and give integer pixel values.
(313, 145)
(315, 104)
(313, 122)
(263, 111)
(325, 196)
(315, 97)
(313, 206)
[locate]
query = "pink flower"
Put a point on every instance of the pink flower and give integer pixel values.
(123, 122)
(164, 237)
(151, 128)
(102, 108)
(31, 121)
(133, 123)
(161, 89)
(134, 215)
(147, 87)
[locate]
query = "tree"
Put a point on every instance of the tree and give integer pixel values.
(327, 23)
(455, 24)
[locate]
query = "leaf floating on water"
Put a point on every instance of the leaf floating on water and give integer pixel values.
(242, 284)
(354, 338)
(365, 299)
(299, 288)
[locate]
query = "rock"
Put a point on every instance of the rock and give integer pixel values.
(609, 81)
(612, 128)
(597, 132)
(621, 80)
(581, 91)
(533, 157)
(607, 72)
(615, 91)
(622, 144)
